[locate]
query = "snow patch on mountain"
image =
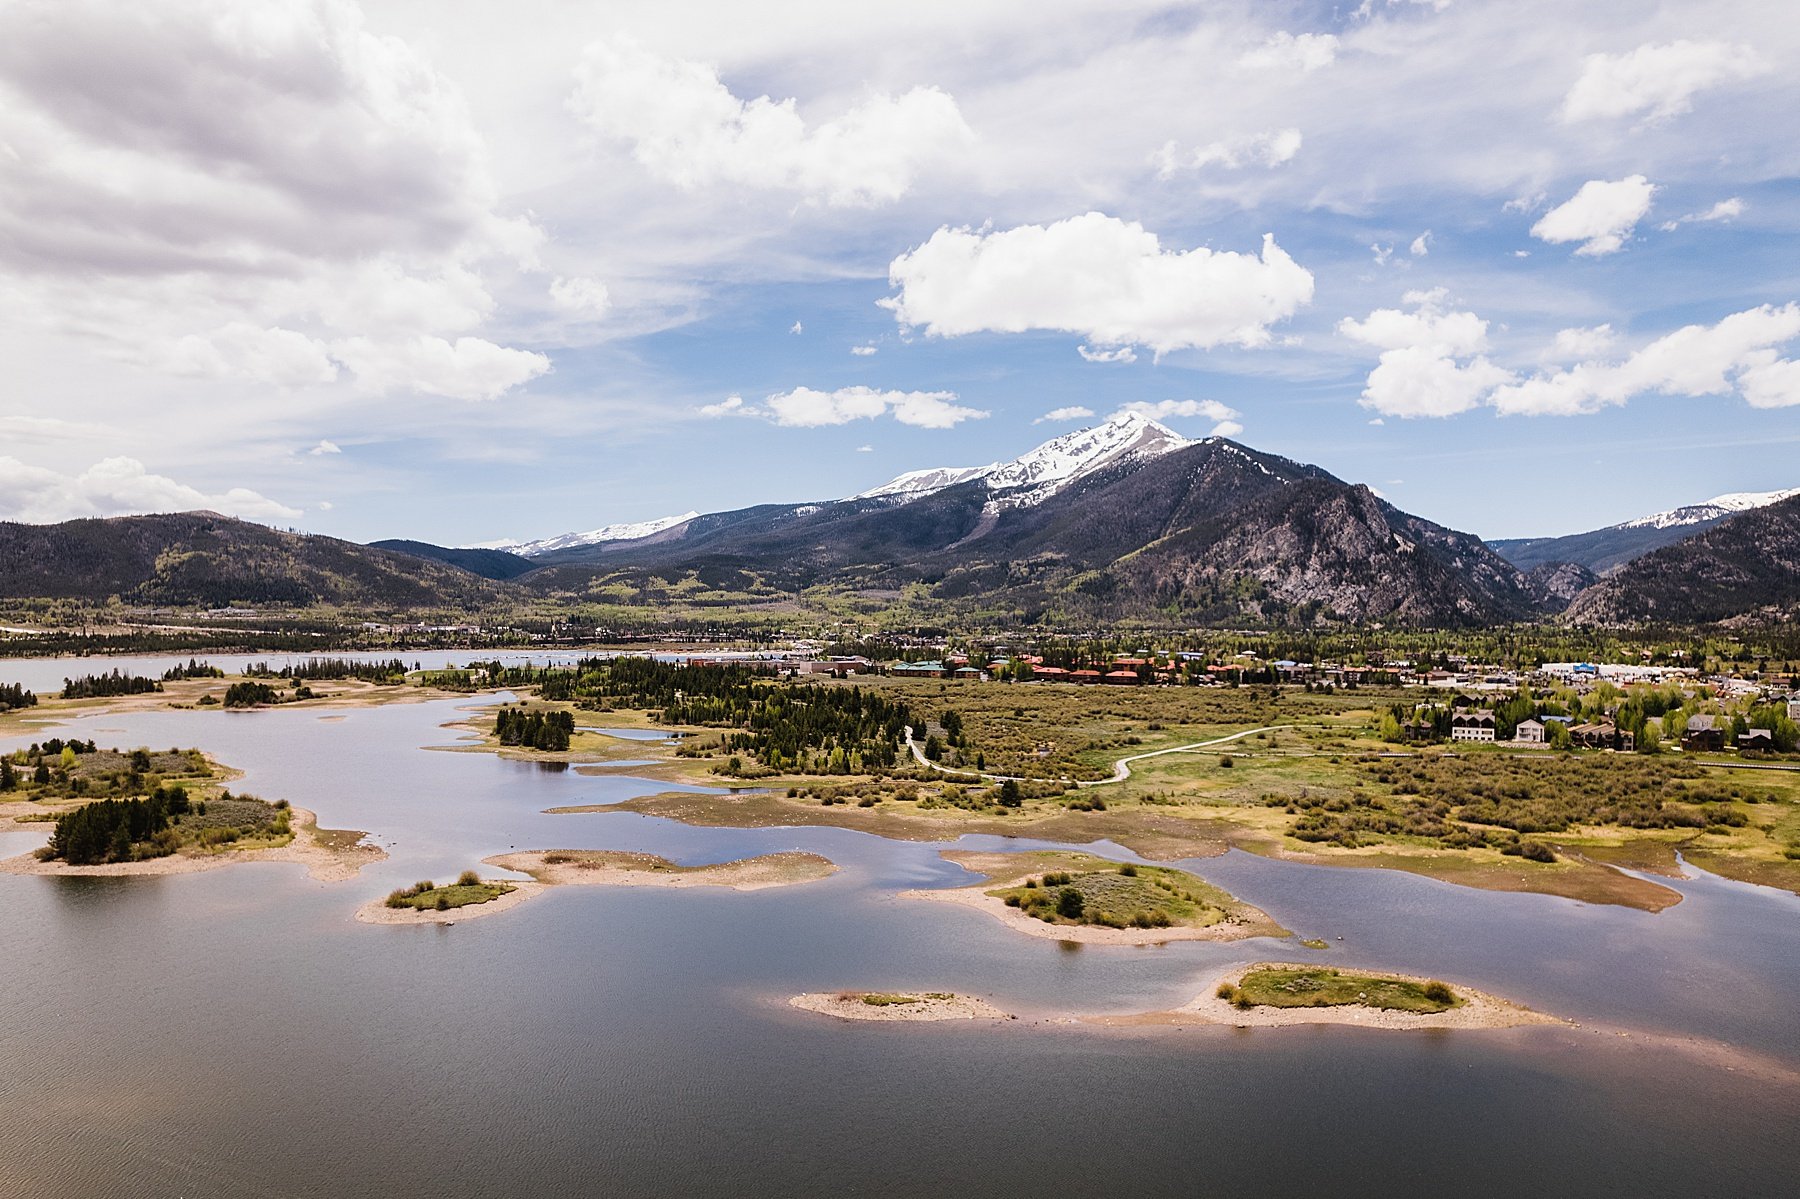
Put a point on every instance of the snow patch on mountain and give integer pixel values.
(1034, 477)
(1714, 509)
(620, 532)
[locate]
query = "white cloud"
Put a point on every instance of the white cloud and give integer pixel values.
(117, 487)
(325, 447)
(1107, 280)
(1270, 149)
(469, 368)
(1421, 245)
(686, 128)
(1059, 415)
(1382, 253)
(809, 408)
(1570, 345)
(862, 351)
(1226, 417)
(1117, 354)
(865, 449)
(225, 189)
(1659, 79)
(1601, 215)
(1431, 360)
(1736, 354)
(797, 327)
(1725, 210)
(1285, 51)
(586, 299)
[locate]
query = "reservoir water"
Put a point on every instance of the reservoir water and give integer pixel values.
(238, 1033)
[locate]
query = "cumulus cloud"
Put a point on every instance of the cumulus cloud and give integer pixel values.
(1117, 354)
(1660, 80)
(1421, 245)
(1059, 415)
(117, 487)
(1724, 210)
(1736, 355)
(1107, 280)
(862, 351)
(469, 368)
(1305, 52)
(685, 127)
(585, 299)
(1601, 215)
(809, 408)
(1225, 417)
(1570, 345)
(1270, 149)
(226, 188)
(1432, 361)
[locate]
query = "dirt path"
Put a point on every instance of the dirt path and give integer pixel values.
(1121, 768)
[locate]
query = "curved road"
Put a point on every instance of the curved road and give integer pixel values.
(1121, 768)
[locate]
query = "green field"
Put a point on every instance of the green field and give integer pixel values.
(1293, 988)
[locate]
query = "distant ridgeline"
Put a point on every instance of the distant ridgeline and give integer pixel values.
(833, 730)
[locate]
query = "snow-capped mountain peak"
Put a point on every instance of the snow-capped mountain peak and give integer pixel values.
(915, 483)
(1718, 507)
(619, 532)
(1037, 475)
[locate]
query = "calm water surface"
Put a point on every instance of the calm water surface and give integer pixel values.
(237, 1033)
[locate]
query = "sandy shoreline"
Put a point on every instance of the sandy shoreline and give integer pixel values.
(1479, 1010)
(376, 911)
(324, 862)
(617, 868)
(931, 1007)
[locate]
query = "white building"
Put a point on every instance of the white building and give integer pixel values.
(1529, 732)
(1472, 724)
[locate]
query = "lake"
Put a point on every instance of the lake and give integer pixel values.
(238, 1033)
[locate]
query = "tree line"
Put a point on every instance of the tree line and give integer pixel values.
(101, 686)
(534, 730)
(14, 695)
(113, 830)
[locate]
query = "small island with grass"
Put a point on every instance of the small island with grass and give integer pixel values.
(142, 811)
(1273, 994)
(898, 1006)
(1073, 896)
(426, 902)
(621, 868)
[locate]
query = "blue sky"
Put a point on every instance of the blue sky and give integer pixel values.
(462, 273)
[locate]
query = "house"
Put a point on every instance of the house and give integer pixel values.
(1758, 739)
(1529, 732)
(1603, 734)
(1125, 677)
(1703, 734)
(1054, 674)
(919, 670)
(1084, 676)
(1472, 724)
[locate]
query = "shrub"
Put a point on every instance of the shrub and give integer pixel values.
(1537, 851)
(1227, 992)
(1070, 903)
(443, 903)
(1438, 992)
(1227, 761)
(1128, 870)
(398, 898)
(468, 878)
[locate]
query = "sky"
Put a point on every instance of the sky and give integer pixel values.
(464, 272)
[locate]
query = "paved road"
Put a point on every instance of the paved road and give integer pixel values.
(1121, 768)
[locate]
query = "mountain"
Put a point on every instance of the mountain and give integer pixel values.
(202, 559)
(619, 532)
(1747, 565)
(1040, 474)
(1124, 520)
(488, 563)
(1605, 550)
